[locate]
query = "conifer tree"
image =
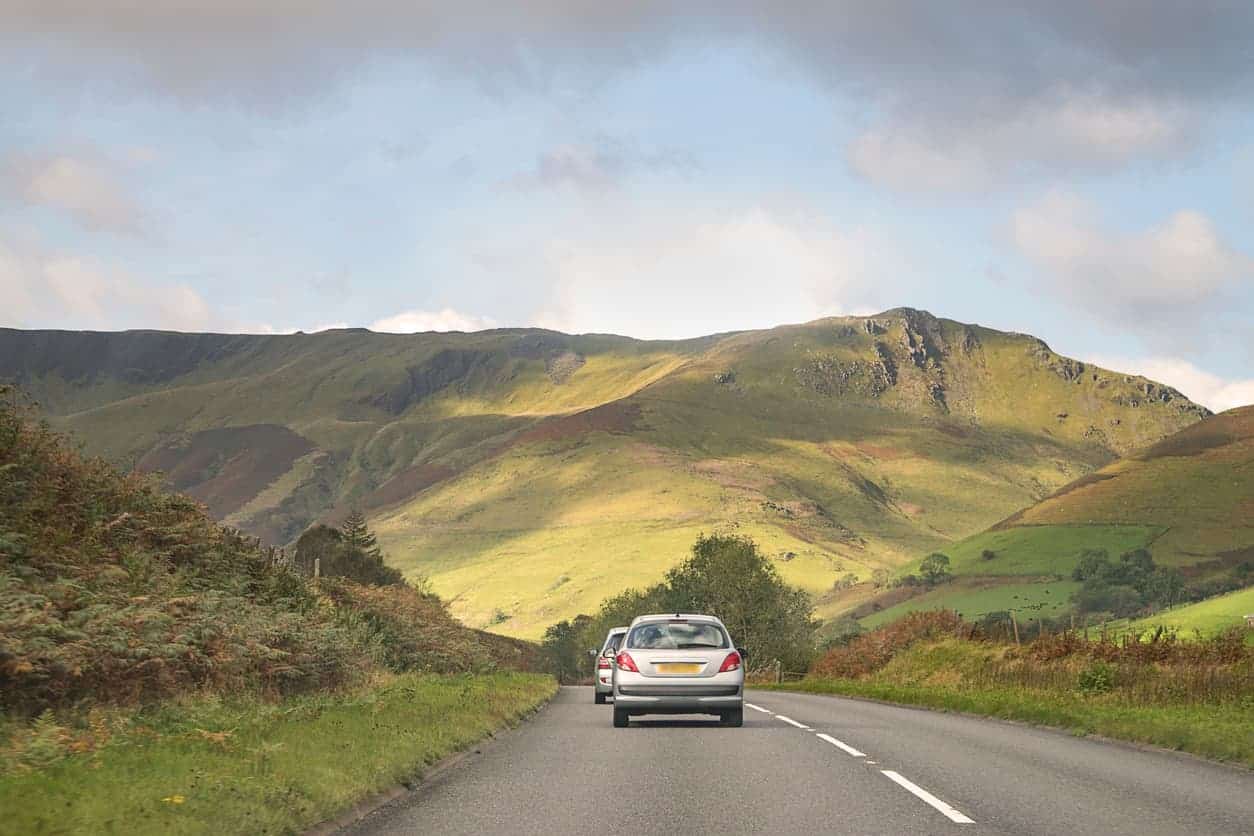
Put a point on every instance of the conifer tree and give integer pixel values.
(357, 535)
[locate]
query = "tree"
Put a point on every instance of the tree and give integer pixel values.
(879, 578)
(1093, 563)
(846, 581)
(728, 576)
(934, 569)
(562, 645)
(336, 556)
(359, 536)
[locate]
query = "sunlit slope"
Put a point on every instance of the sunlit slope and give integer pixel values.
(1214, 615)
(783, 435)
(1197, 485)
(531, 473)
(1188, 499)
(381, 415)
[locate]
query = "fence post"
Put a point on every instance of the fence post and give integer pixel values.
(1014, 622)
(317, 569)
(779, 672)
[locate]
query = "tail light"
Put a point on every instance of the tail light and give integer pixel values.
(731, 663)
(625, 662)
(603, 663)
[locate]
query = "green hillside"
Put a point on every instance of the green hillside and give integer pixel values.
(530, 474)
(1188, 500)
(1206, 617)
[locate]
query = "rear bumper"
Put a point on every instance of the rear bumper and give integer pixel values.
(603, 687)
(659, 699)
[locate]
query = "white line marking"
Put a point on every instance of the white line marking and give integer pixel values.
(757, 708)
(792, 722)
(920, 793)
(843, 746)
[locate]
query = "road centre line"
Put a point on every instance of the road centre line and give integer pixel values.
(758, 708)
(922, 794)
(842, 746)
(792, 722)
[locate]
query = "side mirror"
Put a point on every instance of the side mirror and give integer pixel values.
(744, 654)
(592, 653)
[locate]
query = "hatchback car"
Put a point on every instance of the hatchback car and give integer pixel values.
(678, 664)
(605, 663)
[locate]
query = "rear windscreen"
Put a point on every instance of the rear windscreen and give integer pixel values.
(612, 643)
(677, 635)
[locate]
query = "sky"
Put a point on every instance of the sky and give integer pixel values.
(1081, 172)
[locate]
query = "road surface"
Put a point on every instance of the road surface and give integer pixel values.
(814, 765)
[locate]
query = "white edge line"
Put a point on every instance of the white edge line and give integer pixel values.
(792, 722)
(842, 746)
(756, 708)
(949, 812)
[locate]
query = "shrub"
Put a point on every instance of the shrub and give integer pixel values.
(988, 554)
(934, 569)
(112, 590)
(1097, 678)
(872, 651)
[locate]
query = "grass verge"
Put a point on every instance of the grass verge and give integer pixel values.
(248, 766)
(1220, 732)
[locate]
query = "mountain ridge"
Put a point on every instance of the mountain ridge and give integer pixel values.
(848, 443)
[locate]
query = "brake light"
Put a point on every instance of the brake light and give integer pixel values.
(627, 663)
(731, 663)
(603, 663)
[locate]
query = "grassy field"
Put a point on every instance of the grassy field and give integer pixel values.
(1187, 499)
(975, 597)
(1043, 550)
(210, 766)
(1205, 617)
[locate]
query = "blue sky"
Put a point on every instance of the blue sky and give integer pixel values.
(1073, 172)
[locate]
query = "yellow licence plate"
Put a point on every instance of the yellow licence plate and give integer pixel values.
(675, 667)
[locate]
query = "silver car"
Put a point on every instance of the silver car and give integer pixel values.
(605, 663)
(678, 664)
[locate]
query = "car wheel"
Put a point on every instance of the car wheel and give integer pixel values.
(600, 698)
(735, 718)
(620, 718)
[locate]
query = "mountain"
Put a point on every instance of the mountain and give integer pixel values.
(531, 473)
(1188, 499)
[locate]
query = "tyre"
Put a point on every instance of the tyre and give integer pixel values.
(734, 718)
(600, 698)
(620, 718)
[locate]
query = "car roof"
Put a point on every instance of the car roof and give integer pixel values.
(614, 630)
(672, 616)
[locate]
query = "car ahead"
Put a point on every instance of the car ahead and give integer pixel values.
(605, 663)
(678, 664)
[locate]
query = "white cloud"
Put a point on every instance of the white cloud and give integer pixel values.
(82, 188)
(50, 290)
(1210, 390)
(1156, 275)
(678, 274)
(975, 146)
(417, 321)
(267, 328)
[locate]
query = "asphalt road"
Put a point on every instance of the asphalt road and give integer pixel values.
(856, 767)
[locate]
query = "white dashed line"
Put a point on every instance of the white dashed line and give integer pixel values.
(842, 746)
(792, 722)
(757, 708)
(922, 794)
